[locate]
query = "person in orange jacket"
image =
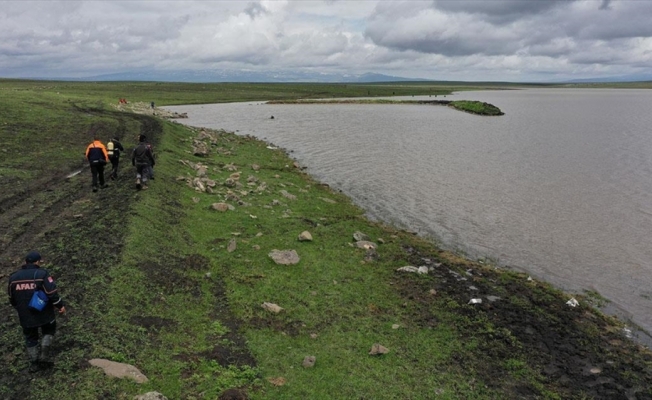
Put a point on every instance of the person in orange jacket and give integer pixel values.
(97, 157)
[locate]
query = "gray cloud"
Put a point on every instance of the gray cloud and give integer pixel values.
(480, 39)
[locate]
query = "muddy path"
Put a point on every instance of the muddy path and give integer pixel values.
(78, 232)
(579, 353)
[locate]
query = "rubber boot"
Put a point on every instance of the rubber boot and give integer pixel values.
(32, 353)
(46, 342)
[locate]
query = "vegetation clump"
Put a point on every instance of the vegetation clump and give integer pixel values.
(476, 107)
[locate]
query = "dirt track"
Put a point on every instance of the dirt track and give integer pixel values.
(78, 232)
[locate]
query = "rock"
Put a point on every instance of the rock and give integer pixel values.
(396, 326)
(272, 307)
(151, 396)
(305, 236)
(288, 195)
(235, 176)
(278, 381)
(231, 246)
(230, 182)
(363, 244)
(296, 165)
(309, 361)
(378, 349)
(493, 298)
(409, 268)
(327, 200)
(314, 336)
(359, 236)
(195, 200)
(222, 207)
(284, 257)
(255, 167)
(119, 370)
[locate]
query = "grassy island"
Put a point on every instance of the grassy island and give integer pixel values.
(182, 281)
(473, 107)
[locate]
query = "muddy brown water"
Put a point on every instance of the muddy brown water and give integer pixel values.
(559, 187)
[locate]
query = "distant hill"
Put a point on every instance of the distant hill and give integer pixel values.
(614, 79)
(207, 76)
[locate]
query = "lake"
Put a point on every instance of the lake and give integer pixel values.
(559, 187)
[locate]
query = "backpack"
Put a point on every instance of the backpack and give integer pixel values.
(109, 148)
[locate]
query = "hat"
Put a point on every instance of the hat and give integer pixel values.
(142, 138)
(33, 256)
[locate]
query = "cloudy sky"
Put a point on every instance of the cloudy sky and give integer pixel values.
(507, 40)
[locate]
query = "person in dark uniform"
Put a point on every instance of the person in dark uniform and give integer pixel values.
(113, 149)
(22, 285)
(142, 158)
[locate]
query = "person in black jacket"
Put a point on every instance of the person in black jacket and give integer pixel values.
(142, 158)
(22, 285)
(113, 148)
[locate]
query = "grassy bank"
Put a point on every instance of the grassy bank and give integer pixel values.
(160, 280)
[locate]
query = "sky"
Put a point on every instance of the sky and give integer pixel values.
(469, 40)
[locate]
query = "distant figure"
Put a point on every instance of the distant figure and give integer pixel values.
(142, 158)
(97, 157)
(113, 148)
(22, 285)
(272, 117)
(152, 104)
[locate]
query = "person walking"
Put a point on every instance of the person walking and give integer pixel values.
(113, 148)
(22, 285)
(97, 158)
(142, 158)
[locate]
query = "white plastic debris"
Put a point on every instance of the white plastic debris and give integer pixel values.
(573, 303)
(475, 301)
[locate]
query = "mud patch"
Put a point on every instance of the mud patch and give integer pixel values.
(529, 322)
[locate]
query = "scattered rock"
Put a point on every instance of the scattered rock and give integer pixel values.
(493, 298)
(378, 349)
(410, 268)
(272, 307)
(305, 236)
(195, 200)
(314, 336)
(287, 195)
(327, 200)
(151, 396)
(119, 370)
(309, 361)
(222, 207)
(255, 167)
(363, 244)
(475, 301)
(278, 381)
(284, 257)
(396, 326)
(231, 246)
(359, 236)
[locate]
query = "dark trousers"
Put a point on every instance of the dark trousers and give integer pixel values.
(97, 170)
(31, 334)
(114, 167)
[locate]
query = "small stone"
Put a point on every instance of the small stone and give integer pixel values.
(364, 244)
(432, 292)
(305, 236)
(377, 349)
(359, 236)
(275, 308)
(309, 361)
(278, 381)
(195, 200)
(313, 336)
(222, 207)
(232, 246)
(284, 257)
(396, 326)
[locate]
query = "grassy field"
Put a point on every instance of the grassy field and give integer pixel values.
(160, 280)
